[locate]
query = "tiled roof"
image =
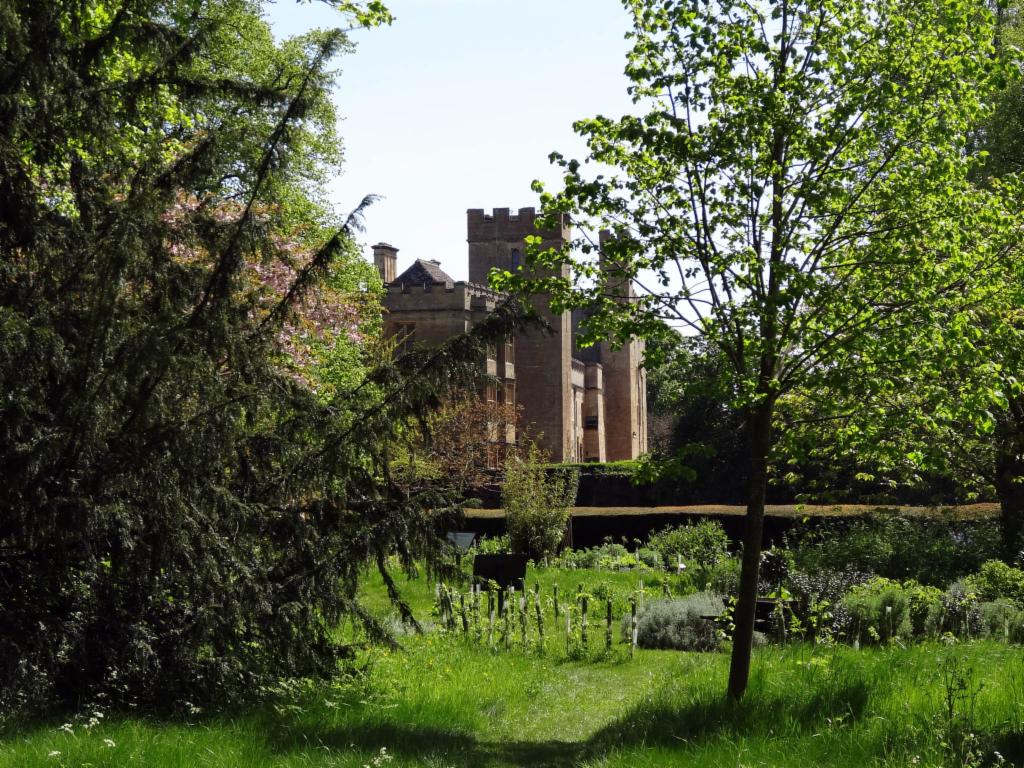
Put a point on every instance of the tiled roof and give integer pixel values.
(424, 272)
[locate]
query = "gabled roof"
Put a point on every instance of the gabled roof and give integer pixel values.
(424, 272)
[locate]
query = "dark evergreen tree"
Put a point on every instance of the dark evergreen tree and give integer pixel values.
(183, 517)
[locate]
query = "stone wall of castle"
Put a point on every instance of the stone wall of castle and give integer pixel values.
(576, 407)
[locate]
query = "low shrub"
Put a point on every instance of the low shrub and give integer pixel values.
(649, 557)
(490, 545)
(882, 609)
(930, 551)
(1002, 620)
(608, 556)
(818, 599)
(577, 558)
(879, 611)
(700, 545)
(996, 580)
(679, 624)
(961, 612)
(722, 578)
(612, 556)
(924, 604)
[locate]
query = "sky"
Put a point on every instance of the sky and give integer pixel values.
(459, 103)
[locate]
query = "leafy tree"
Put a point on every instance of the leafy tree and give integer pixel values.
(186, 510)
(460, 443)
(702, 436)
(953, 406)
(537, 502)
(799, 178)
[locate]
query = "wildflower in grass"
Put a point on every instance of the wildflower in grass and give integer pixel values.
(381, 758)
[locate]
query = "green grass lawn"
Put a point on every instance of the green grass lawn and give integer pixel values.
(443, 701)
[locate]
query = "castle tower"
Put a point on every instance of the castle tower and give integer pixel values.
(385, 258)
(543, 361)
(625, 381)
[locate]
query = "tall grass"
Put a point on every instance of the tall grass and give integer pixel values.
(445, 702)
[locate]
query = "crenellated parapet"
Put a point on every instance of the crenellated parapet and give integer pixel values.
(504, 225)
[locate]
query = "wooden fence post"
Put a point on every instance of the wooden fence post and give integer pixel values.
(583, 626)
(608, 628)
(540, 617)
(490, 620)
(632, 644)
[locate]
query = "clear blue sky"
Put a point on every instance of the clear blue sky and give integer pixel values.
(458, 104)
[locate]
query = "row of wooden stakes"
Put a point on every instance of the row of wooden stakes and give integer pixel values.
(509, 612)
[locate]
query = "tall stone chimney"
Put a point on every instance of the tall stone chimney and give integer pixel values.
(385, 257)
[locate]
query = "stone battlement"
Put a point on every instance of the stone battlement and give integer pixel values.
(426, 296)
(502, 224)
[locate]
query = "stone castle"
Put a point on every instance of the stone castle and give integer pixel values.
(579, 404)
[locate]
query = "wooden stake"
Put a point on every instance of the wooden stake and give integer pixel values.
(608, 628)
(583, 626)
(632, 610)
(540, 617)
(477, 628)
(509, 602)
(568, 632)
(490, 621)
(523, 618)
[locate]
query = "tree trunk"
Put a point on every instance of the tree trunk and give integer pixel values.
(759, 425)
(1010, 489)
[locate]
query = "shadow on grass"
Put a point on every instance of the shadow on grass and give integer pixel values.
(667, 721)
(417, 742)
(663, 721)
(1008, 743)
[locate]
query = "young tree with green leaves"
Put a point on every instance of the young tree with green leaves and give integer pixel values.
(952, 404)
(798, 177)
(537, 502)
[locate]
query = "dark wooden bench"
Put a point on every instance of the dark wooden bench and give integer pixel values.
(506, 570)
(764, 612)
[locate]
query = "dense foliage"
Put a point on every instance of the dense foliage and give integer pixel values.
(699, 545)
(760, 199)
(193, 448)
(697, 438)
(952, 417)
(932, 551)
(537, 503)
